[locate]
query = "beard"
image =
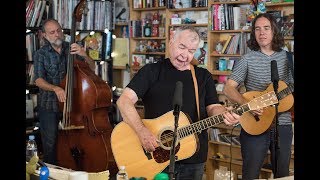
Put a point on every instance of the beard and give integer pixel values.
(56, 43)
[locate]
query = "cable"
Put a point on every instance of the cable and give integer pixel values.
(231, 152)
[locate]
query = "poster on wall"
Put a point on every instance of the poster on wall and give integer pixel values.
(122, 11)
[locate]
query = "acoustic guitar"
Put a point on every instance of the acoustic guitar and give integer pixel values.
(128, 151)
(256, 125)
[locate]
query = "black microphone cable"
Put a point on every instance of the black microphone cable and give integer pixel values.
(231, 152)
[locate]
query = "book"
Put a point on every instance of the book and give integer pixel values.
(120, 52)
(230, 64)
(236, 140)
(43, 7)
(224, 137)
(277, 14)
(201, 54)
(121, 11)
(29, 109)
(287, 28)
(226, 43)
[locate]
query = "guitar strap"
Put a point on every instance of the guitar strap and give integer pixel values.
(195, 83)
(290, 59)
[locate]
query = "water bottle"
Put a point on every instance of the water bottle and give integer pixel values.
(122, 173)
(31, 149)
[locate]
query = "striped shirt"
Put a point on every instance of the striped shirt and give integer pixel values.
(254, 72)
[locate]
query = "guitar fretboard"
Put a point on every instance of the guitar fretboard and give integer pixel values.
(285, 92)
(208, 122)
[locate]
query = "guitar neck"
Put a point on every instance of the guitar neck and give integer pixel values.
(285, 92)
(199, 126)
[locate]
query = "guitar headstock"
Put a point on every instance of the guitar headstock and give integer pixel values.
(80, 9)
(262, 101)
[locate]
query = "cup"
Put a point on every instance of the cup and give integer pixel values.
(78, 175)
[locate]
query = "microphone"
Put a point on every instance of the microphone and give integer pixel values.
(177, 98)
(274, 71)
(177, 103)
(274, 75)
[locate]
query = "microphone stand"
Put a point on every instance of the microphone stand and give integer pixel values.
(176, 113)
(276, 134)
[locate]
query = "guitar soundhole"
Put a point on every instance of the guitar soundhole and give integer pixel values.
(166, 139)
(162, 153)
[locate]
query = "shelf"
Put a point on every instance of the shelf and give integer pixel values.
(232, 31)
(234, 2)
(148, 38)
(121, 24)
(149, 9)
(289, 38)
(223, 126)
(214, 54)
(33, 89)
(189, 9)
(119, 67)
(195, 25)
(154, 53)
(31, 86)
(222, 73)
(224, 144)
(33, 28)
(237, 162)
(67, 31)
(280, 4)
(220, 92)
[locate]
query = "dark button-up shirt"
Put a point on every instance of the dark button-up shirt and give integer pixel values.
(52, 67)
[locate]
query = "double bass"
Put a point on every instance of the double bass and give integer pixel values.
(84, 132)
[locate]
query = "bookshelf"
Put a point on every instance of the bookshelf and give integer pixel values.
(218, 34)
(221, 154)
(147, 37)
(215, 36)
(200, 17)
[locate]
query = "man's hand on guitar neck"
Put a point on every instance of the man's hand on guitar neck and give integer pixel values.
(230, 118)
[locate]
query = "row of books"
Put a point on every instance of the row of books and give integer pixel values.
(227, 16)
(30, 74)
(284, 22)
(137, 28)
(33, 42)
(187, 4)
(98, 15)
(142, 59)
(236, 44)
(216, 135)
(148, 3)
(36, 10)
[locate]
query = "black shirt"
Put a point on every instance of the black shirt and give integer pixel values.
(155, 85)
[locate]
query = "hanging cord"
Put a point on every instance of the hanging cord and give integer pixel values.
(231, 152)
